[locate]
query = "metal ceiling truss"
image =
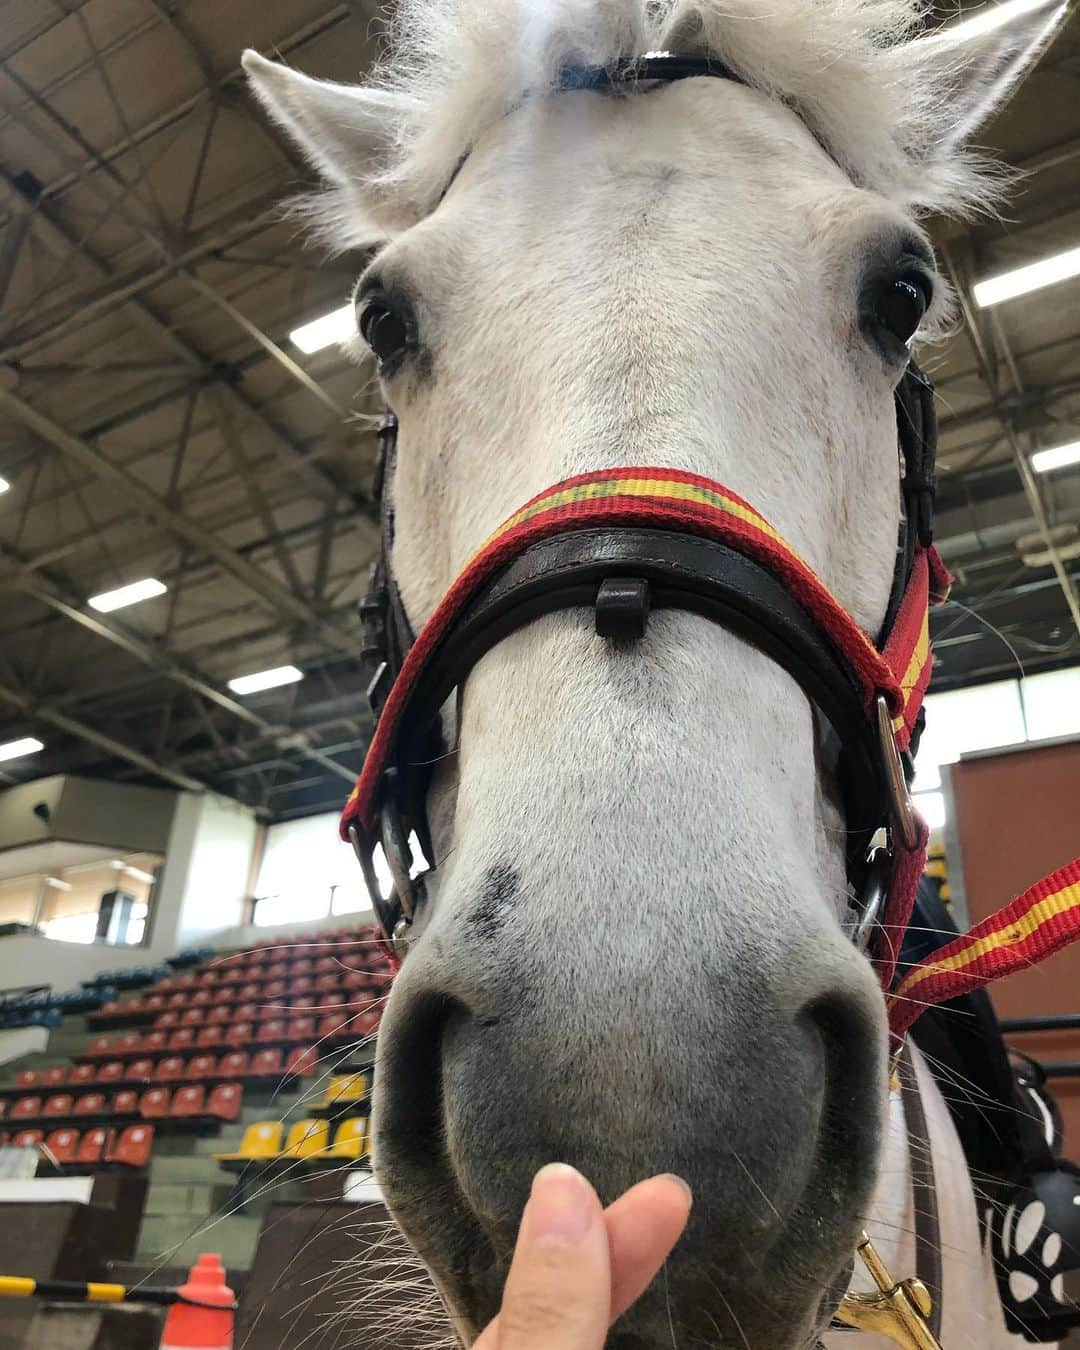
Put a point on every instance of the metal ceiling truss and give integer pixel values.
(214, 458)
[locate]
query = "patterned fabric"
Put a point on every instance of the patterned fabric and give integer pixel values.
(1038, 923)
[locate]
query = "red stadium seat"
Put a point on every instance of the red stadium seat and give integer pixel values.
(186, 980)
(240, 1033)
(167, 985)
(55, 1076)
(274, 991)
(129, 1041)
(301, 1029)
(299, 989)
(326, 984)
(132, 1148)
(235, 1064)
(210, 1038)
(155, 1041)
(330, 1028)
(58, 1106)
(266, 1062)
(29, 1078)
(302, 1061)
(201, 998)
(249, 993)
(154, 1003)
(3, 1107)
(113, 1072)
(83, 1073)
(27, 1138)
(277, 970)
(188, 1102)
(92, 1145)
(365, 1024)
(194, 1017)
(245, 1012)
(125, 1103)
(221, 1014)
(182, 1038)
(155, 1103)
(271, 1030)
(166, 1021)
(202, 1066)
(101, 1047)
(62, 1144)
(139, 1070)
(26, 1108)
(93, 1104)
(225, 1101)
(177, 1000)
(169, 1070)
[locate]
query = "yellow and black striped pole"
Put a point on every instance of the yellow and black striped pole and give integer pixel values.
(76, 1291)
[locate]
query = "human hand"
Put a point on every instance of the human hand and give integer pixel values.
(577, 1266)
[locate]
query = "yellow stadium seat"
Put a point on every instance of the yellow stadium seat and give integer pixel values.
(307, 1138)
(261, 1142)
(350, 1141)
(348, 1087)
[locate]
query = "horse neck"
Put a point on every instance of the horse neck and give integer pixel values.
(971, 1310)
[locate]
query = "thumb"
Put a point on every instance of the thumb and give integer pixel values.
(558, 1292)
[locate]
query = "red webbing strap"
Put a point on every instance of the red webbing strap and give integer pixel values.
(907, 868)
(669, 499)
(1038, 923)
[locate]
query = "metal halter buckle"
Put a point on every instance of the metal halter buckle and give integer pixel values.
(897, 1311)
(902, 815)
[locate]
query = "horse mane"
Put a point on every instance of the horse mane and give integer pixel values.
(453, 68)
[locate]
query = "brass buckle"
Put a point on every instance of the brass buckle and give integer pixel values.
(897, 1311)
(901, 808)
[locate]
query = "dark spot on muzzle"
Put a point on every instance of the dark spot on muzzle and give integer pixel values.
(493, 903)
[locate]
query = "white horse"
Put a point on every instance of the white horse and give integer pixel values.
(635, 957)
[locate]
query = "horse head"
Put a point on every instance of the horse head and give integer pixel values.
(635, 953)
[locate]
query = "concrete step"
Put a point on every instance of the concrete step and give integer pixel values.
(194, 1169)
(179, 1240)
(201, 1196)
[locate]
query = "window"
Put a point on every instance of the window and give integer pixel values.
(1009, 712)
(308, 873)
(79, 901)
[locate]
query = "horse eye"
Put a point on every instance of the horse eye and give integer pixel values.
(900, 307)
(385, 329)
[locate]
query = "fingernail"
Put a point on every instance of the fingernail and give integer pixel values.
(559, 1207)
(670, 1176)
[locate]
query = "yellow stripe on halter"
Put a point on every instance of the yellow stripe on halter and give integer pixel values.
(1016, 931)
(659, 489)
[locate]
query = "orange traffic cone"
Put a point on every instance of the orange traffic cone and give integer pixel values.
(203, 1320)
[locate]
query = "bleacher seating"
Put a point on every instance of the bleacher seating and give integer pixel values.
(39, 1006)
(266, 1146)
(181, 1047)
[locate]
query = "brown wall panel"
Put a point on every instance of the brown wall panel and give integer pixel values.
(1017, 817)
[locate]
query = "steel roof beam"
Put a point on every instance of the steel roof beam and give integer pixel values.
(73, 727)
(1020, 458)
(275, 595)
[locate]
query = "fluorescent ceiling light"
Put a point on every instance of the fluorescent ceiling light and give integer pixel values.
(139, 874)
(123, 596)
(265, 679)
(1033, 277)
(986, 18)
(4, 484)
(58, 884)
(336, 326)
(1042, 461)
(16, 749)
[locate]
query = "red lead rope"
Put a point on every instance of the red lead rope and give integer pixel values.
(1039, 922)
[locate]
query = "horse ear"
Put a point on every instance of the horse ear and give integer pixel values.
(960, 76)
(347, 131)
